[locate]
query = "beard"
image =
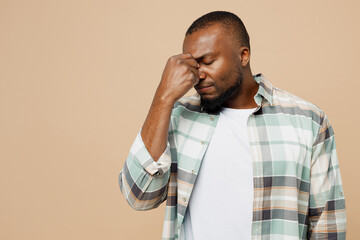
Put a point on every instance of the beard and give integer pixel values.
(215, 105)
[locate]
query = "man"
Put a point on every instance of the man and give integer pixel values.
(241, 159)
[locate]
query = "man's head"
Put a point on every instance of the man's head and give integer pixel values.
(228, 21)
(220, 44)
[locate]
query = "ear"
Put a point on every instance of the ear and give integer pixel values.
(244, 54)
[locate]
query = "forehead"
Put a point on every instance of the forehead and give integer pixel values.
(211, 39)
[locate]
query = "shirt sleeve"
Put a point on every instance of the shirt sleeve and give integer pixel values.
(142, 181)
(327, 215)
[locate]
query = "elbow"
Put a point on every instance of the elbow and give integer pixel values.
(140, 204)
(139, 199)
(143, 207)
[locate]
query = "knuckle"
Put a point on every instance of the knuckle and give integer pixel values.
(185, 69)
(172, 59)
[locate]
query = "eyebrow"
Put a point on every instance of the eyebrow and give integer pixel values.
(204, 55)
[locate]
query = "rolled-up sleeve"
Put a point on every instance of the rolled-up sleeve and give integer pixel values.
(143, 181)
(327, 215)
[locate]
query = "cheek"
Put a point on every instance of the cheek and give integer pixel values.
(220, 86)
(217, 71)
(223, 69)
(221, 74)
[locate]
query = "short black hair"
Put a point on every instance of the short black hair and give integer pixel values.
(229, 21)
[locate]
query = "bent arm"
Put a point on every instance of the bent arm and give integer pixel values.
(145, 177)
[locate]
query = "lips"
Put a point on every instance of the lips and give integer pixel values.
(203, 85)
(203, 88)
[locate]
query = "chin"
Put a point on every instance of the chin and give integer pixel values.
(208, 96)
(211, 104)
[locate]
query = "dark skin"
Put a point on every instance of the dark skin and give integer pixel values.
(221, 61)
(210, 62)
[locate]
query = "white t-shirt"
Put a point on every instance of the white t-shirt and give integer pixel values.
(220, 206)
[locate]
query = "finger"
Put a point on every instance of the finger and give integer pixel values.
(186, 55)
(196, 76)
(191, 62)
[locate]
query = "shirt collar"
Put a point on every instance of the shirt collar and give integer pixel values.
(265, 90)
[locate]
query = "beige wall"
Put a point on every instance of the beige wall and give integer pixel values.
(77, 78)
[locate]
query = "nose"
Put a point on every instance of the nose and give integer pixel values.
(202, 75)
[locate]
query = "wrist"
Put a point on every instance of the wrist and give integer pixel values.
(164, 101)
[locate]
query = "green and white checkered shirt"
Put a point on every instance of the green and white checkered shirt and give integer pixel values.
(298, 192)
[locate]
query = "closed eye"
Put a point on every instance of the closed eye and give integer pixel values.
(208, 63)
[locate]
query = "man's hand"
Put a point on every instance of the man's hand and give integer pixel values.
(179, 76)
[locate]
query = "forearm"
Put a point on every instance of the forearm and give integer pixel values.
(155, 128)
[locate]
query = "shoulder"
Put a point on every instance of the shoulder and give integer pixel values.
(287, 102)
(188, 103)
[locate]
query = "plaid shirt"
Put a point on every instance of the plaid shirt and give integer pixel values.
(298, 192)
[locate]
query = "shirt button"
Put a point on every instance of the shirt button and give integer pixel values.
(202, 142)
(158, 163)
(184, 199)
(341, 194)
(192, 171)
(211, 118)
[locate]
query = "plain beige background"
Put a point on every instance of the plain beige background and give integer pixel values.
(77, 78)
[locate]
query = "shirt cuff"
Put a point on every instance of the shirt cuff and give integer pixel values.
(144, 158)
